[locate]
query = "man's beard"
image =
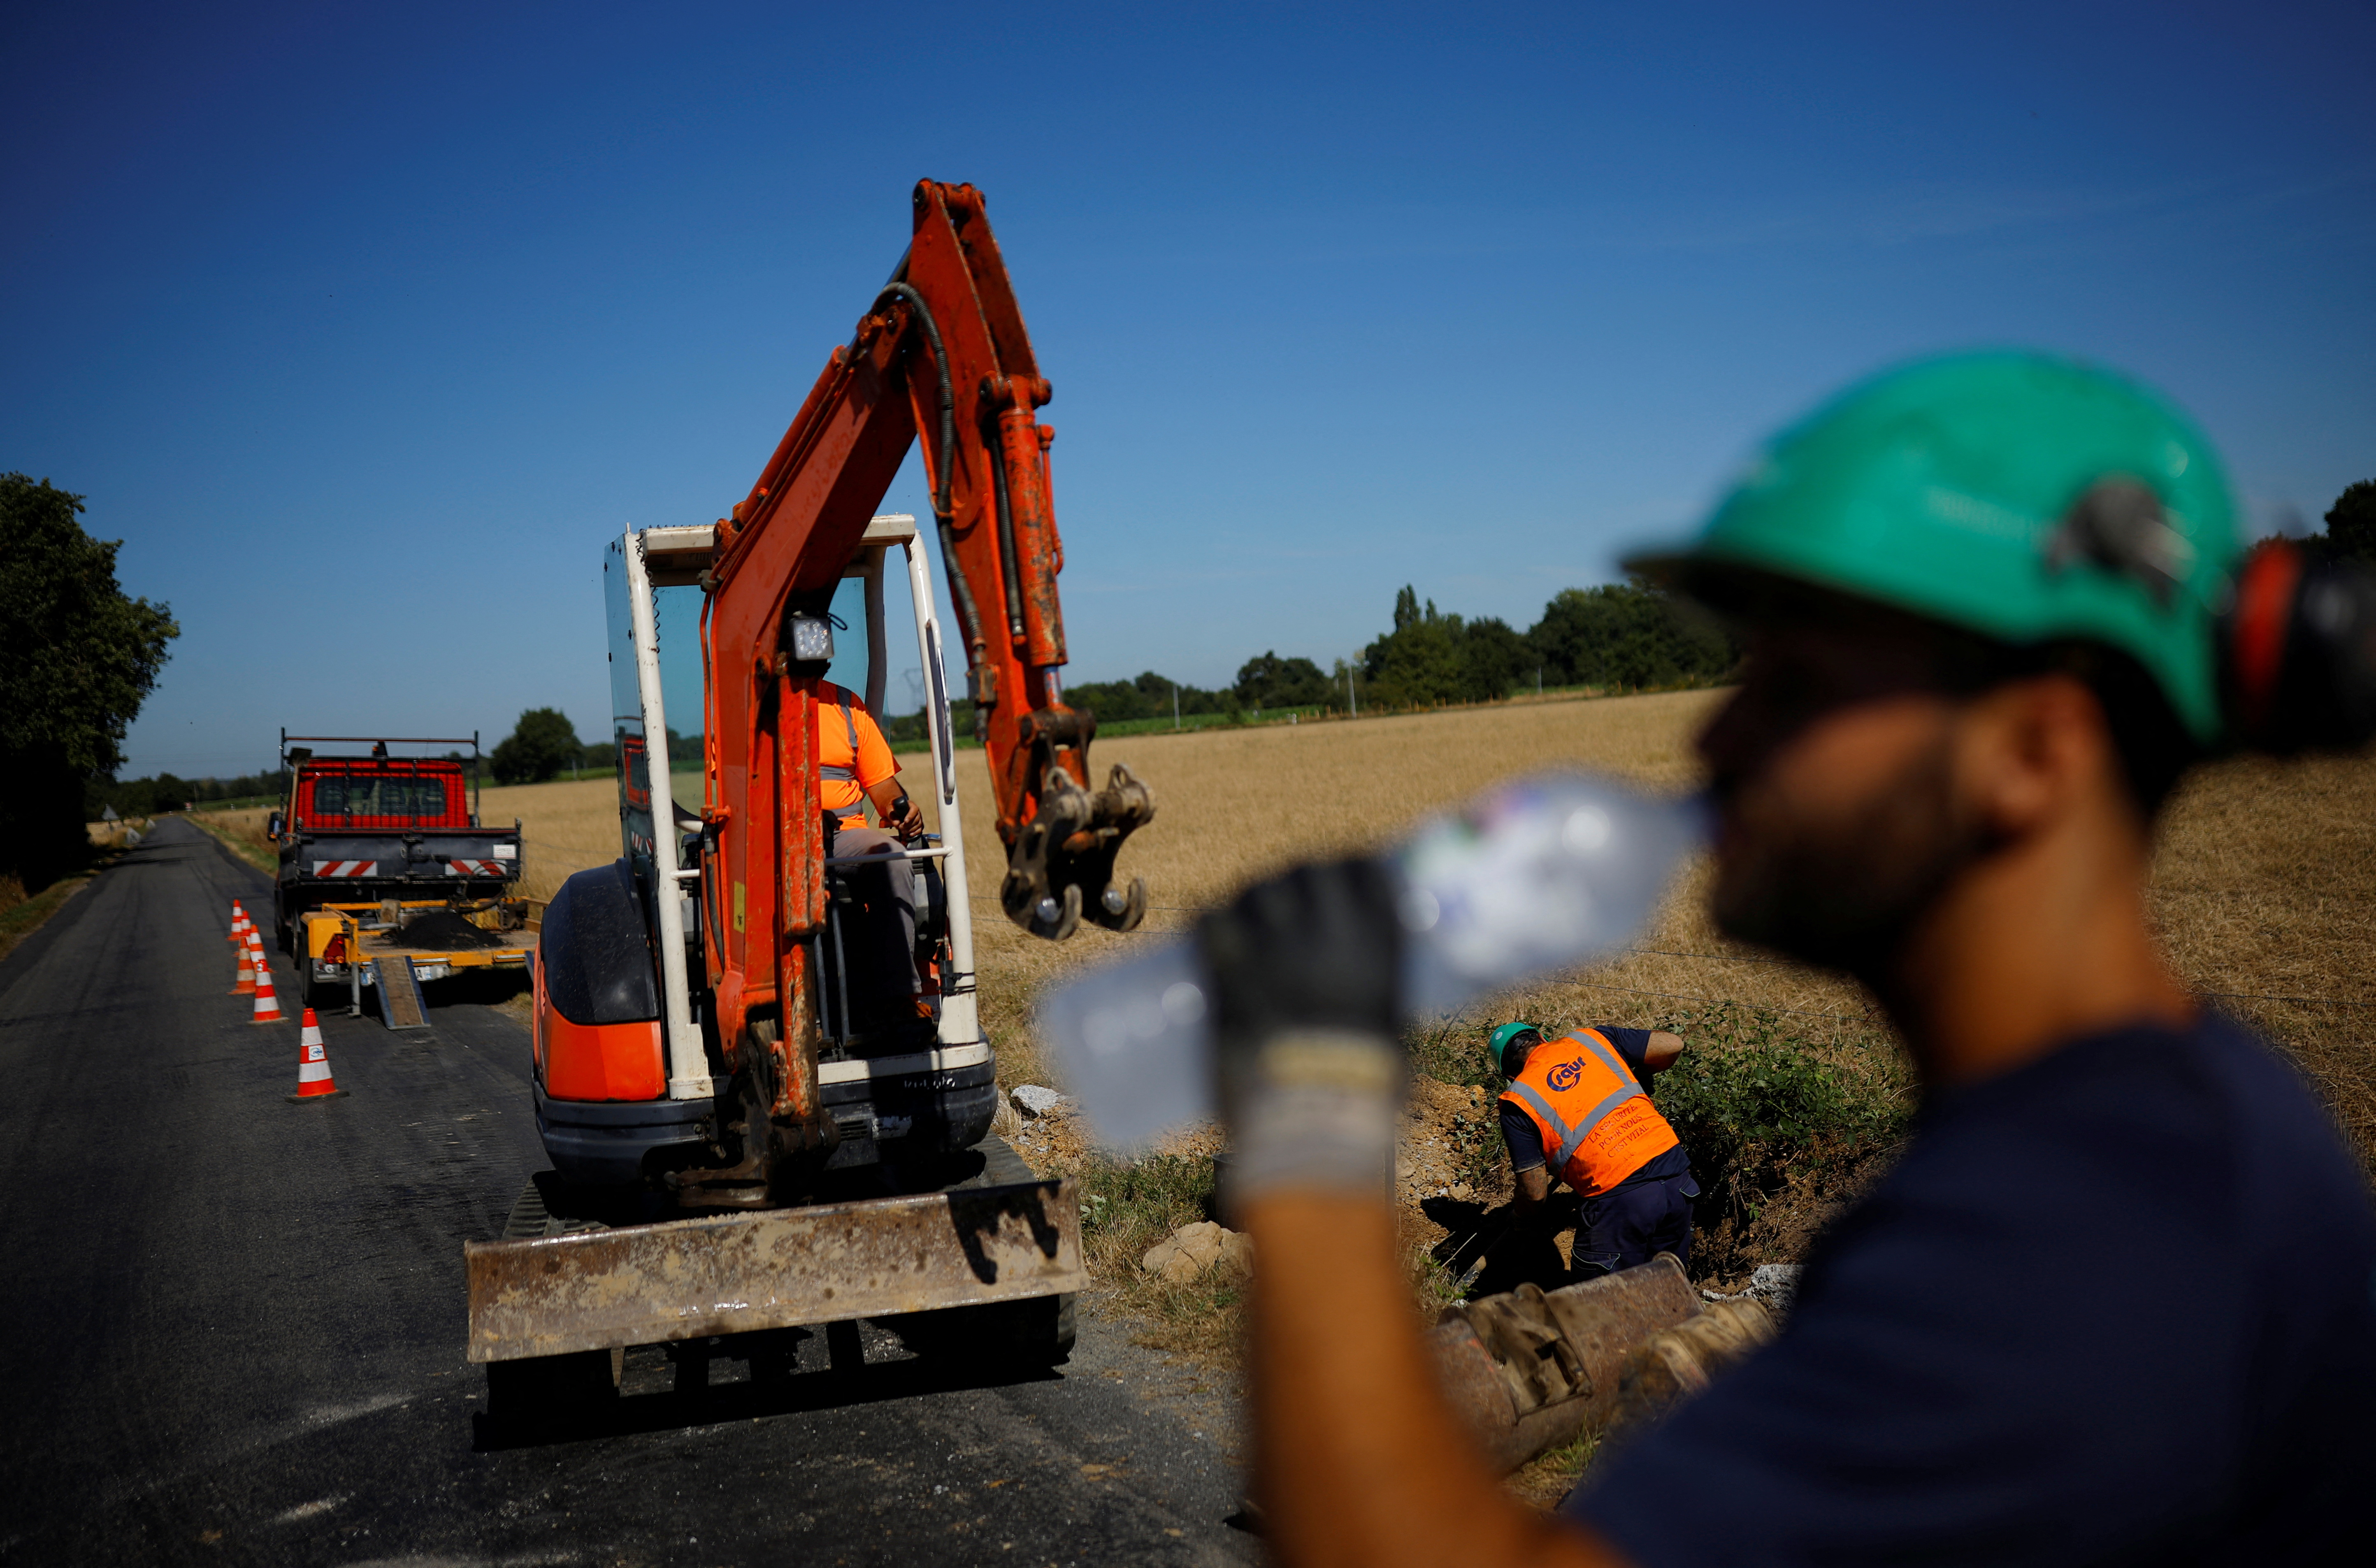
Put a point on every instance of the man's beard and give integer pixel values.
(1845, 896)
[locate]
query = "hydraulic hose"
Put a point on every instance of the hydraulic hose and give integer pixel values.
(1007, 559)
(978, 648)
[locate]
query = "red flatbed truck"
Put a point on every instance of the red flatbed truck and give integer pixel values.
(371, 841)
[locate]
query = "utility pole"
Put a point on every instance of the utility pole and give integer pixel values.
(1352, 700)
(1539, 680)
(1175, 705)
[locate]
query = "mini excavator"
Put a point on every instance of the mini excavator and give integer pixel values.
(747, 1132)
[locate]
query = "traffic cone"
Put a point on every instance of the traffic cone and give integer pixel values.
(268, 1006)
(314, 1080)
(248, 959)
(238, 922)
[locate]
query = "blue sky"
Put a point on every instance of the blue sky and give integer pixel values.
(366, 327)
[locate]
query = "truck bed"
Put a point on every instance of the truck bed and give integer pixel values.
(367, 948)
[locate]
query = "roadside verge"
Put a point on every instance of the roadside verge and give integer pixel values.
(246, 852)
(29, 916)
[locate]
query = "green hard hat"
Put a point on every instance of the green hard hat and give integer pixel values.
(1501, 1037)
(2022, 496)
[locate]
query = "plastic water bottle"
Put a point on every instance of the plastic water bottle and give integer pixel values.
(1539, 875)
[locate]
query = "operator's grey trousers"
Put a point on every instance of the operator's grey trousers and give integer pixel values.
(881, 946)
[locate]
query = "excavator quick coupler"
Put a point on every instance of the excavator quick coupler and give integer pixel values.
(1060, 867)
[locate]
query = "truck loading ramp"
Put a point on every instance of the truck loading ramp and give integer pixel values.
(401, 1004)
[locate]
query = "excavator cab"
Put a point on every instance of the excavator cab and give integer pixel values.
(630, 1078)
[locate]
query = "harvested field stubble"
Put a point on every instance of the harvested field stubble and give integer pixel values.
(567, 824)
(1232, 806)
(2264, 893)
(2263, 884)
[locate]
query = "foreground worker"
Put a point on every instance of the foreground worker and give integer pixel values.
(2113, 1304)
(1577, 1111)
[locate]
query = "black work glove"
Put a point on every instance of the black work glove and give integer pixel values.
(1306, 972)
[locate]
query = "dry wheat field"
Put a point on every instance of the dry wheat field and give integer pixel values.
(2263, 885)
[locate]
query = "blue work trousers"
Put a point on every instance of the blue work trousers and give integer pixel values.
(1634, 1223)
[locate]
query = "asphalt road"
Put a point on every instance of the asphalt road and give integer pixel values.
(234, 1326)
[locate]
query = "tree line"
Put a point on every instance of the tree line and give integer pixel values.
(1620, 637)
(544, 744)
(77, 657)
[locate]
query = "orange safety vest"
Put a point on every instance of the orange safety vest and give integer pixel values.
(1598, 1126)
(841, 773)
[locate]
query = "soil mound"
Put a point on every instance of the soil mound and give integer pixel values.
(443, 930)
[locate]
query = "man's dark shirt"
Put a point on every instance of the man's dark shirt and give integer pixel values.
(1525, 1140)
(2117, 1305)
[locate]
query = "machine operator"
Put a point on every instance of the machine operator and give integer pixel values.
(855, 765)
(1582, 1100)
(2116, 1301)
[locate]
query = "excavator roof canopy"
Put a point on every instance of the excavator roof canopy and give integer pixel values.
(677, 556)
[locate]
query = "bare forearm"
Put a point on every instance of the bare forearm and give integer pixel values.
(887, 797)
(1360, 1459)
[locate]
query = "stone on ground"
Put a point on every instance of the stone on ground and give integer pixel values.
(1775, 1284)
(1195, 1252)
(1034, 1100)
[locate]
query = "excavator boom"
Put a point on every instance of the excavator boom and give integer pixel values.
(941, 352)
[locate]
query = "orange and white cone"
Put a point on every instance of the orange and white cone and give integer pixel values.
(238, 923)
(248, 961)
(268, 1006)
(314, 1080)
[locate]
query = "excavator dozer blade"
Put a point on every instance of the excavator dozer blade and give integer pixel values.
(774, 1268)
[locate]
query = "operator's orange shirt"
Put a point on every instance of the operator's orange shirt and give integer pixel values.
(869, 761)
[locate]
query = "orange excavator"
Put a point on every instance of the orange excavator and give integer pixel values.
(755, 1123)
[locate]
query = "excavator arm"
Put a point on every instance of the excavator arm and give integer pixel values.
(941, 352)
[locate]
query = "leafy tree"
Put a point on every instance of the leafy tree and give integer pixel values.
(1148, 696)
(1272, 682)
(540, 744)
(1115, 701)
(77, 657)
(1492, 656)
(1418, 661)
(1627, 635)
(2351, 521)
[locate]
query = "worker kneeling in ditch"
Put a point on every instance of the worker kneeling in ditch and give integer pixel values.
(1577, 1111)
(2113, 1302)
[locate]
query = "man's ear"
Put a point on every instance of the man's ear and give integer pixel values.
(2030, 750)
